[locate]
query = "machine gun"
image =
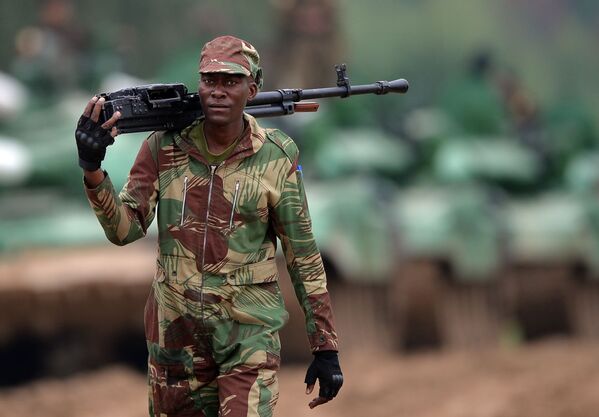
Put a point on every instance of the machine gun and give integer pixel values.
(170, 107)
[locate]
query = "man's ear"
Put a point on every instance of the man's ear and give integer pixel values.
(253, 88)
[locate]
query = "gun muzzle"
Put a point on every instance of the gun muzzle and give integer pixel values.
(396, 86)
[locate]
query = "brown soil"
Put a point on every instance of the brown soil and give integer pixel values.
(555, 378)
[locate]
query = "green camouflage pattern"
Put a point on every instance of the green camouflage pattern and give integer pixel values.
(215, 307)
(231, 55)
(212, 345)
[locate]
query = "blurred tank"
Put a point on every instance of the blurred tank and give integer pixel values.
(351, 181)
(449, 257)
(452, 239)
(497, 162)
(41, 184)
(437, 201)
(68, 300)
(454, 225)
(45, 218)
(49, 160)
(350, 227)
(468, 228)
(550, 282)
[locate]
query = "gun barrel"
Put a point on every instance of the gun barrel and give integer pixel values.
(380, 87)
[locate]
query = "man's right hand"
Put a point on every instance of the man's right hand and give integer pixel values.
(92, 138)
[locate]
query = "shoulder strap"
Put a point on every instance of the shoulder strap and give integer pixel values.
(284, 142)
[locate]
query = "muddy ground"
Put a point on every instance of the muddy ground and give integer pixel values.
(552, 378)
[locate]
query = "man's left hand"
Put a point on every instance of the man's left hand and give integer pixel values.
(325, 367)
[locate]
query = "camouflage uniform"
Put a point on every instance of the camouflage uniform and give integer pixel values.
(215, 308)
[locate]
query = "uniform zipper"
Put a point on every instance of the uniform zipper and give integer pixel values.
(234, 204)
(185, 182)
(213, 169)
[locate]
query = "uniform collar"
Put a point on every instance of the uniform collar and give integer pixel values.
(251, 142)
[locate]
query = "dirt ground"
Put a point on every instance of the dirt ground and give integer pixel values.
(554, 378)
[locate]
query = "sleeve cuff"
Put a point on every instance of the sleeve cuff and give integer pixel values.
(322, 341)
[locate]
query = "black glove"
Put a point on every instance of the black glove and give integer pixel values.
(325, 368)
(92, 140)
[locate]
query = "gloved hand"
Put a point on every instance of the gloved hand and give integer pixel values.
(93, 138)
(325, 367)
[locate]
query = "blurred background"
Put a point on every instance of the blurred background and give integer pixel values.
(459, 223)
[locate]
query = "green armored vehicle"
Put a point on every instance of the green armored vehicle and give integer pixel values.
(550, 281)
(447, 266)
(69, 299)
(452, 240)
(552, 255)
(41, 199)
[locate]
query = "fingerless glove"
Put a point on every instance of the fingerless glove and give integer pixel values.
(92, 140)
(325, 367)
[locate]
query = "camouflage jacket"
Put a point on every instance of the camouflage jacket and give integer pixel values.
(224, 219)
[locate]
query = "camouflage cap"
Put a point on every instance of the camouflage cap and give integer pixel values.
(231, 55)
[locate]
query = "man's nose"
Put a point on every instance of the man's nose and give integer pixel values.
(218, 90)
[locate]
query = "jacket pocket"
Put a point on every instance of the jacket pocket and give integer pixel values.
(256, 273)
(176, 269)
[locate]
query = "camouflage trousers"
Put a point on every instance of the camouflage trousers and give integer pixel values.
(214, 347)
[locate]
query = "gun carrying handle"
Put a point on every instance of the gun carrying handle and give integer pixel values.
(162, 102)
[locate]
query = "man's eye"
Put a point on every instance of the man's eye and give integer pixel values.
(231, 83)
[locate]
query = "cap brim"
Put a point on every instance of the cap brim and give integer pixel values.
(224, 67)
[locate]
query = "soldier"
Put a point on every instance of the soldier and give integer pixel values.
(224, 189)
(308, 42)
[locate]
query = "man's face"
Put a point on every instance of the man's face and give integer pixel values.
(224, 96)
